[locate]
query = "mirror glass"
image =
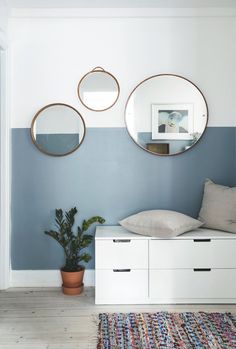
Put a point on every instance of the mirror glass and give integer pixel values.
(98, 90)
(57, 129)
(166, 114)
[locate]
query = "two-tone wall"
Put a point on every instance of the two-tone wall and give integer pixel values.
(110, 175)
(4, 152)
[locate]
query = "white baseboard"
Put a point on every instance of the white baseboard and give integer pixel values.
(44, 278)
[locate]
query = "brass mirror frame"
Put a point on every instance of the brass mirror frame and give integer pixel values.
(98, 70)
(178, 76)
(37, 115)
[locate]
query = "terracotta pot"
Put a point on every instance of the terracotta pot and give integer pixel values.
(72, 279)
(72, 291)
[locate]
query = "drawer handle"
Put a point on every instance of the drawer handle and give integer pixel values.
(121, 270)
(202, 240)
(201, 269)
(120, 240)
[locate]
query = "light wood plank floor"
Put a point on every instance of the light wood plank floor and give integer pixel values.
(46, 319)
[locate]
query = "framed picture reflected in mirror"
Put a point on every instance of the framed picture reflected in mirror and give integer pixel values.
(172, 121)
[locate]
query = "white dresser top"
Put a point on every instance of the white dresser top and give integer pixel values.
(117, 232)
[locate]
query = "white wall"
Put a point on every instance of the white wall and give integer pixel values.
(50, 55)
(3, 22)
(3, 15)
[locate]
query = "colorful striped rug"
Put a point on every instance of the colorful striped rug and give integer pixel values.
(164, 330)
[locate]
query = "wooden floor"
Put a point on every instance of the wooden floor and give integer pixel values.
(46, 319)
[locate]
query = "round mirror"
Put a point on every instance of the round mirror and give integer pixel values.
(98, 90)
(57, 129)
(166, 114)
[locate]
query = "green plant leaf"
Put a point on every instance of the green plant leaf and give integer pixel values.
(84, 257)
(86, 241)
(92, 220)
(71, 243)
(53, 234)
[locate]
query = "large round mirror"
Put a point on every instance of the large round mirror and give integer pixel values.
(57, 129)
(166, 114)
(98, 90)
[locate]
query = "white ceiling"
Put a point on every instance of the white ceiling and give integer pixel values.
(121, 3)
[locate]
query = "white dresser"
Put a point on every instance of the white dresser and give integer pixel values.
(196, 267)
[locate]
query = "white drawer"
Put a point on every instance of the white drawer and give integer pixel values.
(190, 284)
(165, 254)
(121, 287)
(121, 254)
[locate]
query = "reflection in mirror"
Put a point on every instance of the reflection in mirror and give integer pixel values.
(166, 114)
(57, 129)
(98, 90)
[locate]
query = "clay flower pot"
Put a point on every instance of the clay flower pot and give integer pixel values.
(72, 291)
(72, 282)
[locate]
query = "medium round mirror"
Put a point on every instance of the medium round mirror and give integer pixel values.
(57, 129)
(166, 114)
(98, 90)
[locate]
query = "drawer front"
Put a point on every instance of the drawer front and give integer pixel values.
(173, 254)
(121, 254)
(121, 286)
(190, 284)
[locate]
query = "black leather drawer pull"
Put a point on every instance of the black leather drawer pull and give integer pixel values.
(120, 240)
(201, 269)
(202, 240)
(121, 270)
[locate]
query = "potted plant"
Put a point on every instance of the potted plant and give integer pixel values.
(73, 245)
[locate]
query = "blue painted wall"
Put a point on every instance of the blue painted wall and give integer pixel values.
(109, 176)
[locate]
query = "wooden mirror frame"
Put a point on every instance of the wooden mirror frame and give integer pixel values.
(35, 118)
(98, 70)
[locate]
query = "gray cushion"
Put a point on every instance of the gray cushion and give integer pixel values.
(160, 223)
(218, 207)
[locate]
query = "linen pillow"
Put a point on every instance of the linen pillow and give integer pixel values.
(218, 209)
(160, 223)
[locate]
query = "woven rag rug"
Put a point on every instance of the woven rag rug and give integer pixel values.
(164, 330)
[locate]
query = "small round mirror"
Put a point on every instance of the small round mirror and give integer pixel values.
(166, 114)
(98, 90)
(57, 129)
